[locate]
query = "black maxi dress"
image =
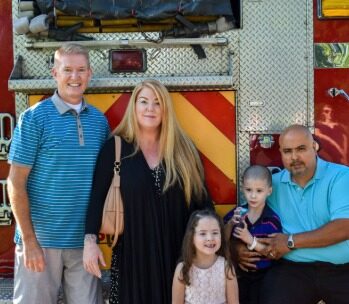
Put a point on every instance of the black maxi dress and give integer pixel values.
(145, 257)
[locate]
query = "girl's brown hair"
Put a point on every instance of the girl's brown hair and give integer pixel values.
(188, 247)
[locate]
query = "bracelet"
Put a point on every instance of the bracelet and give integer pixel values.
(253, 245)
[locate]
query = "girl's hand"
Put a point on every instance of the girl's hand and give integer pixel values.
(243, 234)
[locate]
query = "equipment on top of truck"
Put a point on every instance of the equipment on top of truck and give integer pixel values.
(124, 16)
(146, 10)
(67, 33)
(61, 20)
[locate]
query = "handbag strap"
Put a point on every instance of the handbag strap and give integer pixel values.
(116, 179)
(117, 162)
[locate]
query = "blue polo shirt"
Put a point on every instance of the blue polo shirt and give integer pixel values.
(323, 199)
(61, 147)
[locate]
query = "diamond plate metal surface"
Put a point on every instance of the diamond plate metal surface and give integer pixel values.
(163, 61)
(21, 103)
(276, 73)
(274, 64)
(243, 156)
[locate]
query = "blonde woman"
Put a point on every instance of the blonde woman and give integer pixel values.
(162, 182)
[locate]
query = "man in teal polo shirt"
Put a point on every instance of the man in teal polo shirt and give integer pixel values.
(52, 156)
(311, 198)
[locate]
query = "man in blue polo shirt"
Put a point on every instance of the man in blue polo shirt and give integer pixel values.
(310, 196)
(52, 156)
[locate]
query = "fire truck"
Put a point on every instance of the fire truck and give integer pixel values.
(236, 78)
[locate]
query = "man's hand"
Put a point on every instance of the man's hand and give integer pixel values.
(92, 254)
(34, 259)
(276, 245)
(247, 258)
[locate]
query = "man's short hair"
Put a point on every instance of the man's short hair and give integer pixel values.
(297, 128)
(73, 49)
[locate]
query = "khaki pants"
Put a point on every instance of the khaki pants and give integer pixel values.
(64, 268)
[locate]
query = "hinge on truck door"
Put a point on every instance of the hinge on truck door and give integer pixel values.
(6, 131)
(5, 208)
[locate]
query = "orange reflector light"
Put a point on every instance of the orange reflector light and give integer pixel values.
(127, 61)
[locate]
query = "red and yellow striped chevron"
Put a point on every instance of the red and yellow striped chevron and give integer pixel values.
(209, 118)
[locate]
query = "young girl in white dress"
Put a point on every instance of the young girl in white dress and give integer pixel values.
(204, 275)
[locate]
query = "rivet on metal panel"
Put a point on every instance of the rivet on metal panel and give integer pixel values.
(6, 131)
(5, 208)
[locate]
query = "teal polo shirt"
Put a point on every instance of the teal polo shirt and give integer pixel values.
(61, 148)
(323, 199)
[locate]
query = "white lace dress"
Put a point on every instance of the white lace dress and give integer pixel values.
(207, 286)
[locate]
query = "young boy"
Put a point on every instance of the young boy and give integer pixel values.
(259, 222)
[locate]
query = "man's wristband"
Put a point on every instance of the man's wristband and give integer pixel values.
(253, 245)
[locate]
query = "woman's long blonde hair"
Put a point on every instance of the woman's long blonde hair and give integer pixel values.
(177, 151)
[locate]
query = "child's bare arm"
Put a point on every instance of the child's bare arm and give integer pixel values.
(251, 241)
(178, 287)
(243, 234)
(232, 291)
(257, 246)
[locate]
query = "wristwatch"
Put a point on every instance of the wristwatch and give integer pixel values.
(290, 242)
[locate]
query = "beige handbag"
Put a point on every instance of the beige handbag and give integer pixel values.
(113, 211)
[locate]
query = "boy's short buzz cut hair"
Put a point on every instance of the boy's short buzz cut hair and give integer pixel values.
(258, 172)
